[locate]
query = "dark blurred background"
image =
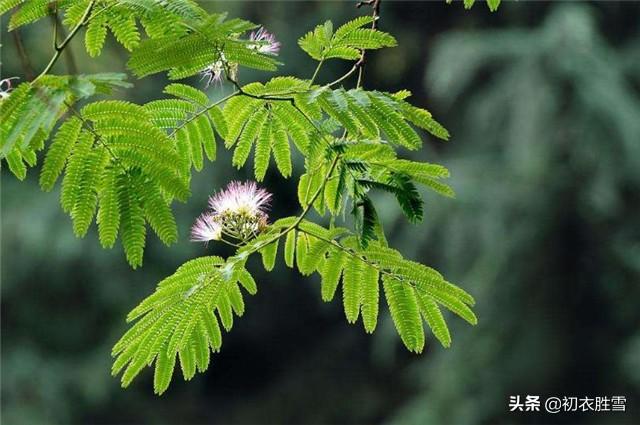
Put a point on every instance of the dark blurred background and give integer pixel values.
(543, 102)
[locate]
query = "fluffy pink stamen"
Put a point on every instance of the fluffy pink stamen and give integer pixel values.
(267, 42)
(240, 197)
(206, 229)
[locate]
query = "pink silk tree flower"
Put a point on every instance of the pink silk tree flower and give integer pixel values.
(213, 73)
(265, 42)
(241, 198)
(238, 212)
(206, 228)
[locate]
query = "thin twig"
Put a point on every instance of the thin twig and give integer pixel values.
(54, 20)
(205, 110)
(353, 69)
(59, 49)
(363, 259)
(68, 54)
(323, 135)
(304, 212)
(359, 64)
(98, 137)
(256, 96)
(315, 73)
(228, 73)
(346, 250)
(375, 6)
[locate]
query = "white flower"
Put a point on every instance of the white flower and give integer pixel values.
(213, 73)
(265, 42)
(206, 228)
(238, 212)
(241, 198)
(5, 87)
(261, 40)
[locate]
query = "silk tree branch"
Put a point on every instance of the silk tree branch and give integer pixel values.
(358, 66)
(203, 111)
(362, 258)
(98, 137)
(60, 48)
(58, 30)
(304, 212)
(375, 6)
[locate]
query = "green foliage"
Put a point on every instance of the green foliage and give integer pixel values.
(6, 5)
(122, 18)
(492, 4)
(346, 42)
(212, 39)
(29, 11)
(179, 320)
(267, 124)
(124, 161)
(364, 166)
(193, 123)
(29, 115)
(376, 115)
(95, 36)
(410, 288)
(124, 164)
(374, 121)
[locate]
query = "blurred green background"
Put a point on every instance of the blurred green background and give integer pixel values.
(543, 102)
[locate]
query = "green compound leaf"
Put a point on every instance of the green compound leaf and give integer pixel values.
(179, 320)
